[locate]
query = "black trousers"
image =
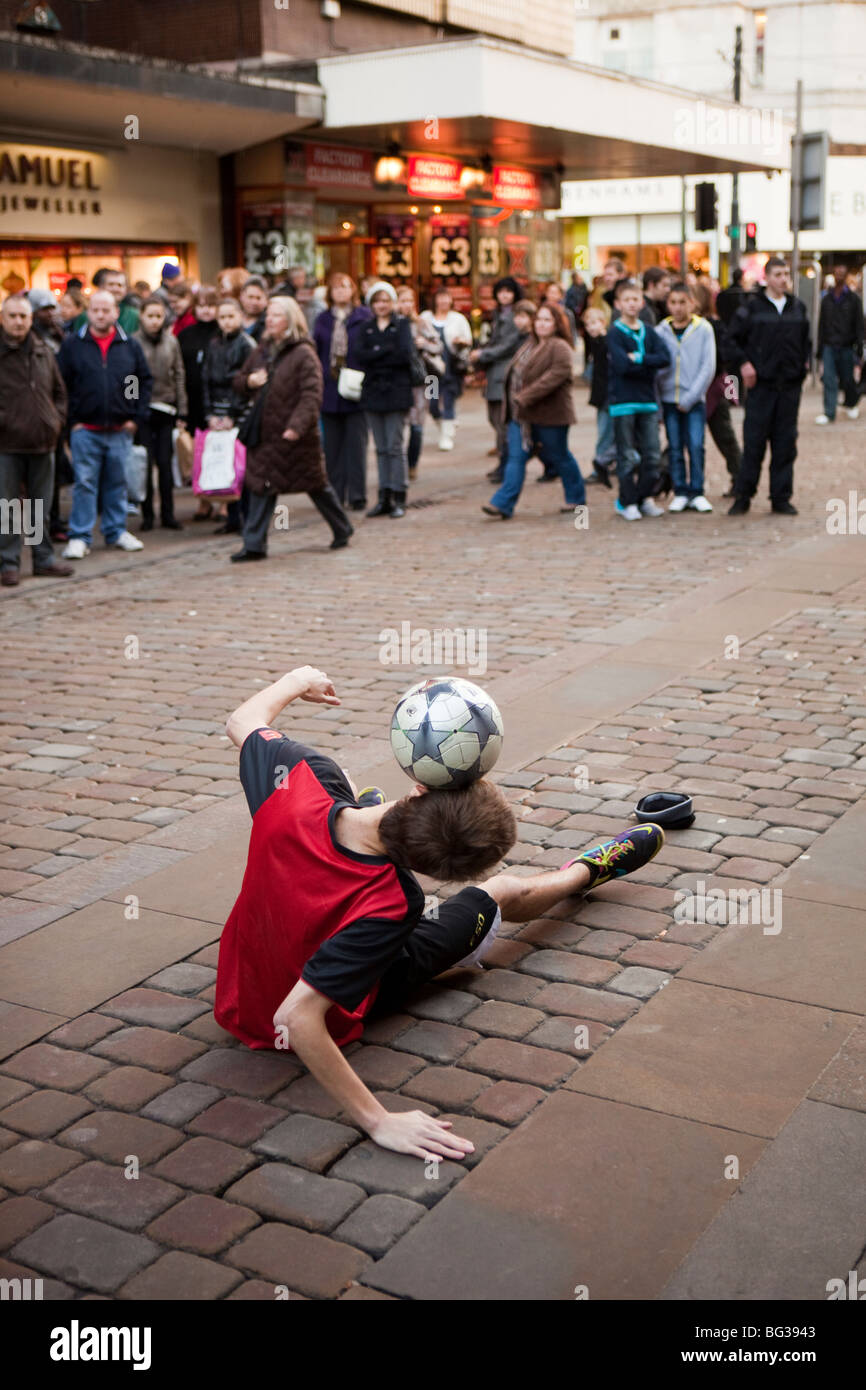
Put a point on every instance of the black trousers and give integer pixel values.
(437, 943)
(771, 418)
(156, 437)
(724, 436)
(345, 440)
(261, 508)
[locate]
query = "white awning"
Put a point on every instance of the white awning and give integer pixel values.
(470, 97)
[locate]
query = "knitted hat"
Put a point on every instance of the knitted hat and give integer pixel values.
(380, 287)
(508, 282)
(41, 299)
(170, 271)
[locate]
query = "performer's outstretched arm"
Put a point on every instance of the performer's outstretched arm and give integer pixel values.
(301, 1019)
(305, 683)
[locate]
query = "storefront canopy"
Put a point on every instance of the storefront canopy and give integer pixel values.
(480, 96)
(90, 96)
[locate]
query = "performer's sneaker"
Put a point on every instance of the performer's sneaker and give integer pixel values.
(615, 858)
(372, 796)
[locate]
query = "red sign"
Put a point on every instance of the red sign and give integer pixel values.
(336, 166)
(57, 280)
(433, 176)
(516, 188)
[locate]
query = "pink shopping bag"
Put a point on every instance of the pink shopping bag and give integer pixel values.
(219, 463)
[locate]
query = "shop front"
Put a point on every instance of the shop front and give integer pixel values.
(417, 219)
(67, 211)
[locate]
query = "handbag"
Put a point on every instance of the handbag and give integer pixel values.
(219, 463)
(349, 384)
(250, 428)
(183, 453)
(416, 367)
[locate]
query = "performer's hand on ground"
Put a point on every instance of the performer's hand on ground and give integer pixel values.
(318, 688)
(413, 1132)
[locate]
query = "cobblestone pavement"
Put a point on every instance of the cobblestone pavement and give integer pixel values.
(123, 838)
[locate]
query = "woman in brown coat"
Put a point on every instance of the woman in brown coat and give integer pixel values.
(540, 405)
(285, 451)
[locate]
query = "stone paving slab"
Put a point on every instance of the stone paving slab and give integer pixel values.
(835, 870)
(578, 1195)
(204, 890)
(20, 1025)
(83, 959)
(720, 1056)
(817, 957)
(795, 1223)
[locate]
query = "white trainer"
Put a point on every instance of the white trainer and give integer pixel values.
(76, 550)
(631, 513)
(823, 420)
(650, 508)
(853, 413)
(700, 504)
(679, 504)
(447, 429)
(126, 541)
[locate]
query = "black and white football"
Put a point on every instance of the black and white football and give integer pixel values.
(446, 732)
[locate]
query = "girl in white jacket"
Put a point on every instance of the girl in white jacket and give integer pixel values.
(456, 336)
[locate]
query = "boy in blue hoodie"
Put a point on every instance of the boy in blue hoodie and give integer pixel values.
(683, 387)
(635, 353)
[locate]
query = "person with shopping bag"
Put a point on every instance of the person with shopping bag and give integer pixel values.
(227, 352)
(281, 432)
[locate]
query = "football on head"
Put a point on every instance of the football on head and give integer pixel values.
(446, 733)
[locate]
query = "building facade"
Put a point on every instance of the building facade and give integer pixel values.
(692, 46)
(424, 140)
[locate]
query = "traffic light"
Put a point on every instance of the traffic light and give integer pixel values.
(705, 207)
(751, 236)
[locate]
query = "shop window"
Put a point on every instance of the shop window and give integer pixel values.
(338, 219)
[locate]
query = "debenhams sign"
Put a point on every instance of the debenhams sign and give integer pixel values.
(49, 181)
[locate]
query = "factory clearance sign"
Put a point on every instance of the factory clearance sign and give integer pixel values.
(434, 176)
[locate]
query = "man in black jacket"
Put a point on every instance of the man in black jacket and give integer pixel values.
(32, 412)
(770, 346)
(840, 343)
(109, 385)
(729, 300)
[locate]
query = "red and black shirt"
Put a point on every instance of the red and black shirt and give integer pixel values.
(309, 909)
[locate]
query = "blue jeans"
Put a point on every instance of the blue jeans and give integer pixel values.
(605, 445)
(99, 460)
(637, 456)
(505, 497)
(442, 406)
(551, 444)
(838, 370)
(685, 431)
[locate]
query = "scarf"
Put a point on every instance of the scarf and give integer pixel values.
(339, 341)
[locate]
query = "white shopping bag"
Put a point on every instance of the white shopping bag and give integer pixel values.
(135, 468)
(218, 461)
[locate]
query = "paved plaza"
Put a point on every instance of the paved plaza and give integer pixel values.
(664, 1105)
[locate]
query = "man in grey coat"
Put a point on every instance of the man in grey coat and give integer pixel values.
(495, 357)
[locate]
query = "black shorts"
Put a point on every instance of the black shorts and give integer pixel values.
(440, 941)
